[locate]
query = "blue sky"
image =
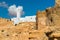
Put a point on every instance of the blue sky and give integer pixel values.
(30, 6)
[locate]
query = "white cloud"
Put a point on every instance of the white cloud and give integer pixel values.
(3, 4)
(13, 10)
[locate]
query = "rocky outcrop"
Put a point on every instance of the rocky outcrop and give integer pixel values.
(46, 27)
(40, 19)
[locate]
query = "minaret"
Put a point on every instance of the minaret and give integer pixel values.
(19, 11)
(18, 15)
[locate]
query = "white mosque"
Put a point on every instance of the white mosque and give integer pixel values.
(25, 19)
(19, 11)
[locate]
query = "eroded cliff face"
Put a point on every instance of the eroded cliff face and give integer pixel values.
(42, 29)
(22, 31)
(8, 31)
(46, 27)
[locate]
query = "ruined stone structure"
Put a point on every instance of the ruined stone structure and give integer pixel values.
(46, 27)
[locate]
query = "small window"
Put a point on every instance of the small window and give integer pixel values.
(51, 20)
(7, 35)
(29, 32)
(15, 24)
(2, 30)
(46, 10)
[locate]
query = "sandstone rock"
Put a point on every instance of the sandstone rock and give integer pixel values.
(46, 27)
(40, 19)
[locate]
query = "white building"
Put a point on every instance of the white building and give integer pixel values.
(18, 11)
(30, 18)
(25, 19)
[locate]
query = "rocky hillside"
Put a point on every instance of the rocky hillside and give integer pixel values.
(46, 27)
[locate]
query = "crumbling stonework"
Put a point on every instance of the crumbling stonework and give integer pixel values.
(40, 19)
(46, 27)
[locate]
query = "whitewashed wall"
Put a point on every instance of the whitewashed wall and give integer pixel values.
(25, 19)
